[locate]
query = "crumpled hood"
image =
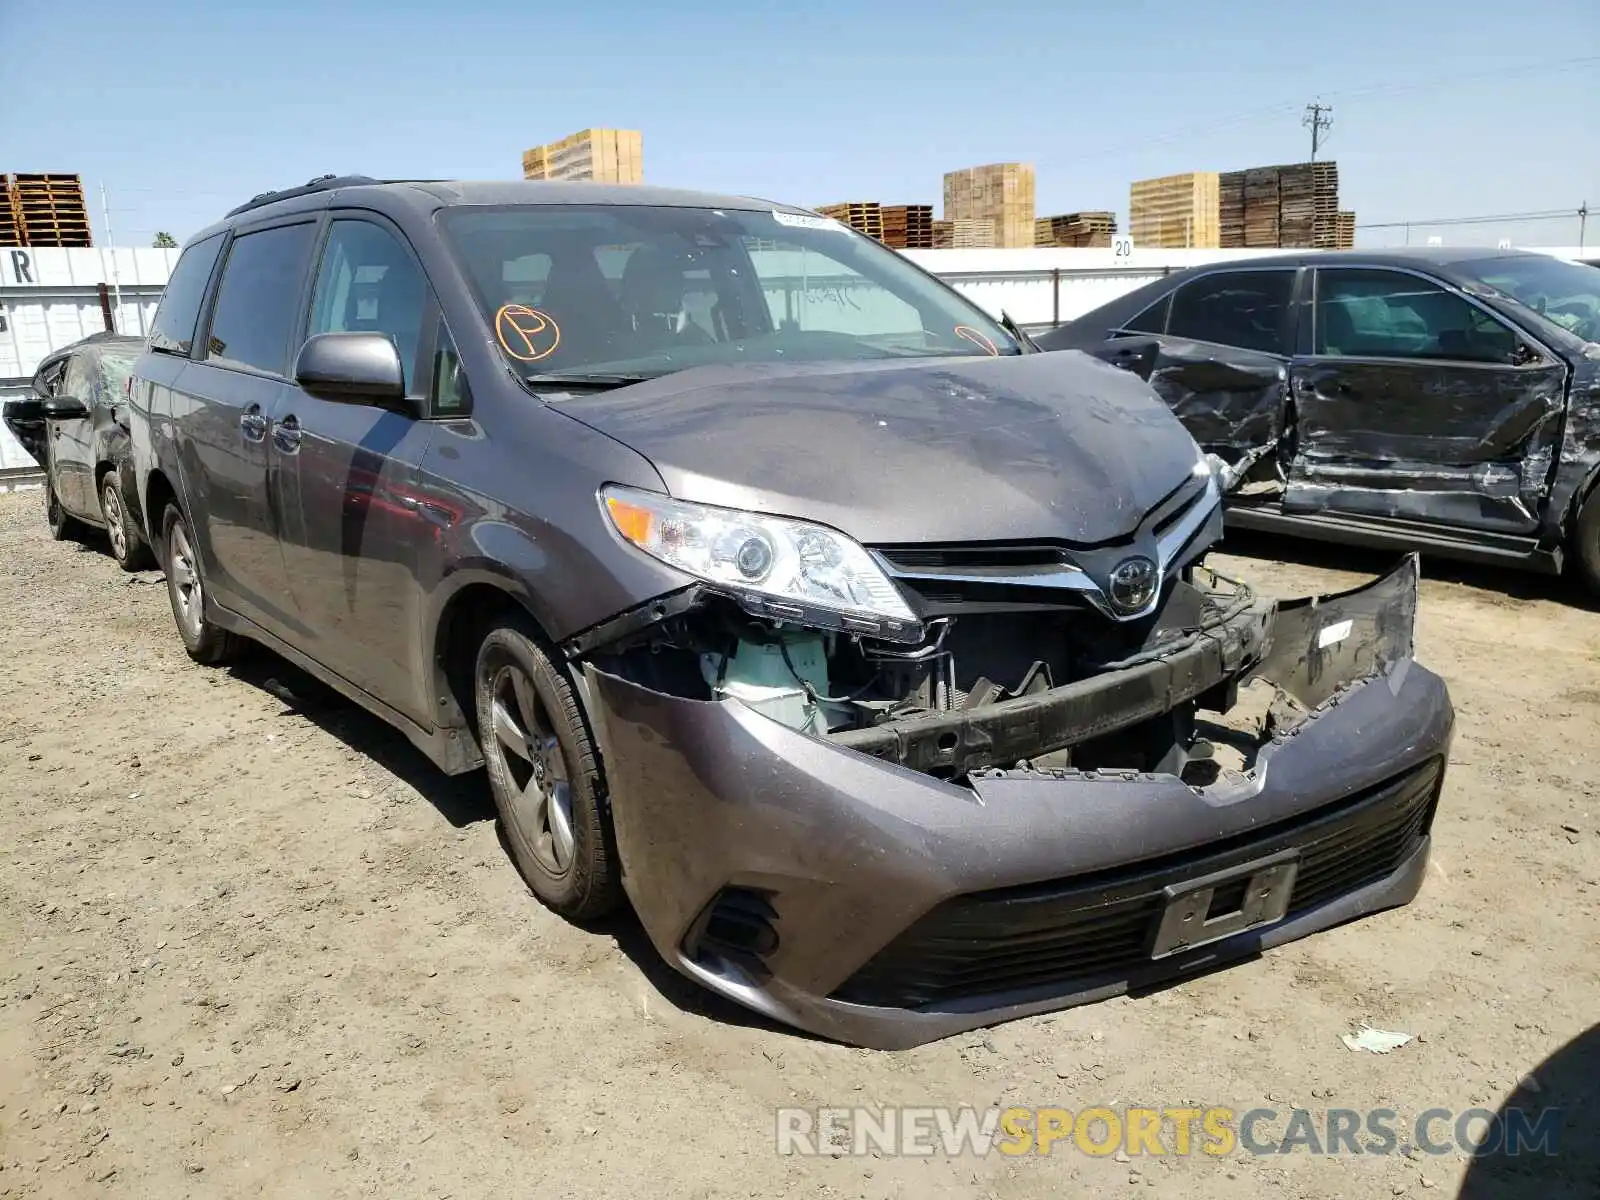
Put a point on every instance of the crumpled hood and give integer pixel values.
(1047, 446)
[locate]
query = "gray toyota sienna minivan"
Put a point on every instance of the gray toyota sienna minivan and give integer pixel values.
(779, 588)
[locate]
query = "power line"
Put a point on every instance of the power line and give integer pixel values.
(1549, 215)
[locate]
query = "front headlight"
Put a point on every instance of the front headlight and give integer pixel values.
(777, 568)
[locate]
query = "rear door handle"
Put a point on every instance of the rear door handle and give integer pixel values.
(253, 423)
(286, 437)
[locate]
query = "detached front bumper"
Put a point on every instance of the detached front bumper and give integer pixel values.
(869, 903)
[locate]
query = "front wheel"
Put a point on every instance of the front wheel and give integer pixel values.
(127, 547)
(206, 643)
(1586, 542)
(545, 775)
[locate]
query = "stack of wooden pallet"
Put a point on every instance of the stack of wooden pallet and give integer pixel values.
(908, 226)
(1000, 193)
(1230, 209)
(10, 219)
(1081, 230)
(601, 155)
(1176, 210)
(1345, 237)
(1294, 205)
(864, 216)
(49, 210)
(1297, 206)
(1262, 200)
(1325, 192)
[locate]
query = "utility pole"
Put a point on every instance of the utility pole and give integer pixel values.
(116, 281)
(1318, 119)
(1583, 220)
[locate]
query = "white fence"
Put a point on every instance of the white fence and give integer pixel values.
(50, 298)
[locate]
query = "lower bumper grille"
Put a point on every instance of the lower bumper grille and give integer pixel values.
(1086, 929)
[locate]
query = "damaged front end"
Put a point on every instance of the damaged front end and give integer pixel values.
(844, 830)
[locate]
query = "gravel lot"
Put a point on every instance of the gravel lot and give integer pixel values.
(256, 946)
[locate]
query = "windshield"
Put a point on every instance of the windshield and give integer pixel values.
(1564, 293)
(115, 367)
(626, 291)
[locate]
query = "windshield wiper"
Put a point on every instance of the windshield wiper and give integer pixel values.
(598, 381)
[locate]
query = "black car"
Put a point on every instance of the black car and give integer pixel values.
(777, 587)
(1441, 399)
(75, 427)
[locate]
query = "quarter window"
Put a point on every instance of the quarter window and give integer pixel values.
(1390, 314)
(1152, 319)
(258, 299)
(369, 283)
(172, 330)
(1248, 309)
(451, 395)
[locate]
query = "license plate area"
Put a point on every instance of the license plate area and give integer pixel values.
(1200, 911)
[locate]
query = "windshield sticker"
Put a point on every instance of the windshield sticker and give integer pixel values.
(801, 221)
(978, 340)
(526, 334)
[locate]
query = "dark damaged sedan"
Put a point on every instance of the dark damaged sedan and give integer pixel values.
(1444, 400)
(779, 589)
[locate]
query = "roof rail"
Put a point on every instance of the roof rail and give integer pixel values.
(322, 183)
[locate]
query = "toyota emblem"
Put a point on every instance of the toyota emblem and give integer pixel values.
(1133, 585)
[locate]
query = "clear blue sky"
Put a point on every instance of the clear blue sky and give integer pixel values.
(186, 107)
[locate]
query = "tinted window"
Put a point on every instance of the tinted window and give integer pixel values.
(1389, 314)
(1235, 308)
(258, 297)
(173, 328)
(369, 283)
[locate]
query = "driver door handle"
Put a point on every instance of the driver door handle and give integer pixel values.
(286, 437)
(253, 423)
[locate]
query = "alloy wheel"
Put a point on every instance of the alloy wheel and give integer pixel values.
(111, 506)
(186, 581)
(534, 769)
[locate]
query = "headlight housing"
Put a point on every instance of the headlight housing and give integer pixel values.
(776, 568)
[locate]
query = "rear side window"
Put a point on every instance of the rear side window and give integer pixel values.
(173, 328)
(258, 299)
(1248, 309)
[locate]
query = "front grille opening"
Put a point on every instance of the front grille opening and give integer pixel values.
(983, 557)
(1074, 933)
(740, 924)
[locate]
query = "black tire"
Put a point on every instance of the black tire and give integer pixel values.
(1586, 542)
(127, 546)
(63, 528)
(206, 643)
(553, 780)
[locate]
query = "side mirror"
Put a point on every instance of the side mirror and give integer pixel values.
(353, 368)
(63, 407)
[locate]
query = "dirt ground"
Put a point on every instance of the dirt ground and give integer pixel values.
(256, 946)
